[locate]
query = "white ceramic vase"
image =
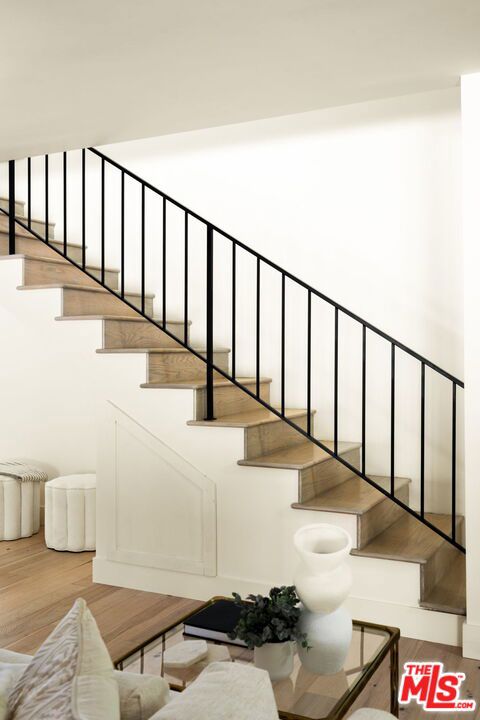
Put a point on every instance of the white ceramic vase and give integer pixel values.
(323, 581)
(275, 658)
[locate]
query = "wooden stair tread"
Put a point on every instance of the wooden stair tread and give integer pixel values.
(24, 219)
(408, 539)
(200, 384)
(250, 418)
(57, 261)
(449, 594)
(83, 288)
(299, 456)
(21, 225)
(4, 201)
(123, 318)
(168, 350)
(354, 496)
(20, 215)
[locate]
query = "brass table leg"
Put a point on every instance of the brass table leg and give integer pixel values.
(394, 670)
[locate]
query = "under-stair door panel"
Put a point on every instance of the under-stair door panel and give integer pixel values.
(163, 510)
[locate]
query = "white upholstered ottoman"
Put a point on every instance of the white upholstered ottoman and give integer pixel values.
(70, 513)
(19, 508)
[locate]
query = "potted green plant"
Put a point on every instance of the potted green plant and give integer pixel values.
(268, 625)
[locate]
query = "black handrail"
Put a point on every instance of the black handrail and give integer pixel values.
(208, 358)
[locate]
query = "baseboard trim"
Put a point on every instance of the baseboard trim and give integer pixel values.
(414, 622)
(471, 641)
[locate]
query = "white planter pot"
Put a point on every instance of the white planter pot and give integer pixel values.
(276, 659)
(323, 581)
(329, 636)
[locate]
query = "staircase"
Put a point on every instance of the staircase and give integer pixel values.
(331, 472)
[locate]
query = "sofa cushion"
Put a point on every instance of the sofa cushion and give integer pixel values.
(140, 695)
(12, 657)
(224, 691)
(9, 674)
(70, 677)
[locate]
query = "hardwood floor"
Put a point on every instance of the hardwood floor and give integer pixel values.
(376, 694)
(38, 586)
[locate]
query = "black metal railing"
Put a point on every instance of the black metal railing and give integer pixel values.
(261, 263)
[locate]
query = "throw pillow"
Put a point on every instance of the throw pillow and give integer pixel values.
(140, 695)
(224, 690)
(70, 677)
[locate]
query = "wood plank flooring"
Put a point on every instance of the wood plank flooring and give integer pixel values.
(37, 587)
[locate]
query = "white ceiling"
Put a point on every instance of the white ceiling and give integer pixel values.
(92, 72)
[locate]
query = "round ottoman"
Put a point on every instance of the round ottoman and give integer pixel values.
(70, 513)
(19, 508)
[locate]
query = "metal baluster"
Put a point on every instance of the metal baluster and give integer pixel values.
(65, 204)
(454, 461)
(29, 192)
(143, 250)
(122, 236)
(392, 424)
(234, 309)
(164, 263)
(283, 346)
(46, 198)
(185, 301)
(84, 247)
(102, 276)
(335, 388)
(422, 444)
(257, 370)
(11, 207)
(309, 362)
(364, 396)
(209, 390)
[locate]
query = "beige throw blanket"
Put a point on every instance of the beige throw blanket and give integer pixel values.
(21, 471)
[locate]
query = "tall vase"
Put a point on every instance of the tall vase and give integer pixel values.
(323, 582)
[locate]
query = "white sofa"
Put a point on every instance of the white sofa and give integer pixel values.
(223, 690)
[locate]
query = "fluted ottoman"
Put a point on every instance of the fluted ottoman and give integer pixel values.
(19, 508)
(70, 513)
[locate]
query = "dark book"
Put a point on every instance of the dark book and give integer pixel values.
(215, 622)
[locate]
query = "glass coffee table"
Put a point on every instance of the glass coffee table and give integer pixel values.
(303, 695)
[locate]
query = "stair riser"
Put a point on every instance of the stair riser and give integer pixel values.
(230, 399)
(437, 565)
(125, 334)
(29, 245)
(19, 206)
(38, 227)
(266, 438)
(177, 367)
(36, 272)
(325, 475)
(83, 302)
(380, 517)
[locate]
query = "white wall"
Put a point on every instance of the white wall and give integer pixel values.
(360, 201)
(471, 234)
